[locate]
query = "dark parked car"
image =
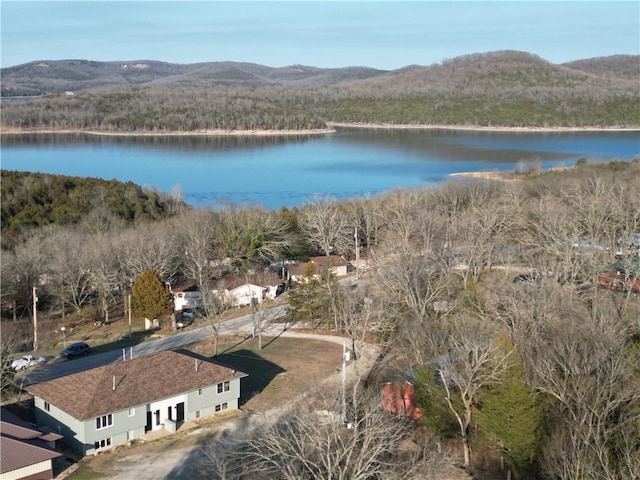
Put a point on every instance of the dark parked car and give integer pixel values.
(75, 350)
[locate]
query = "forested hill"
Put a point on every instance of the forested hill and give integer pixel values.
(59, 76)
(505, 88)
(35, 200)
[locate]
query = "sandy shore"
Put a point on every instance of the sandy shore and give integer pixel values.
(323, 131)
(195, 133)
(482, 129)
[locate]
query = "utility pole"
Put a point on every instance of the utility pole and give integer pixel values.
(355, 235)
(35, 321)
(344, 383)
(129, 305)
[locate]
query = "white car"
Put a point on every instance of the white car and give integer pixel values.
(27, 361)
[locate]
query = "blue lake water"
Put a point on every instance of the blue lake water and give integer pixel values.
(292, 170)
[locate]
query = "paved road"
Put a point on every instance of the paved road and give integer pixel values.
(59, 367)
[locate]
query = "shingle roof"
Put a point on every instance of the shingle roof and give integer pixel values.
(329, 261)
(90, 393)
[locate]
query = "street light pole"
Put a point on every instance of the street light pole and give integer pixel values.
(64, 337)
(35, 320)
(129, 304)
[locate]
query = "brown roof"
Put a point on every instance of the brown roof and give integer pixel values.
(21, 446)
(15, 454)
(90, 393)
(329, 261)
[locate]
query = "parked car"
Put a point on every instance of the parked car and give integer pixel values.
(184, 319)
(75, 350)
(27, 361)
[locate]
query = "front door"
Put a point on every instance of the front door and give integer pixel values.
(180, 412)
(148, 426)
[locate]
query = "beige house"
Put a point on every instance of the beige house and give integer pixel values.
(336, 264)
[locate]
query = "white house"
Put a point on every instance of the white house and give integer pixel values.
(103, 407)
(243, 290)
(247, 294)
(186, 296)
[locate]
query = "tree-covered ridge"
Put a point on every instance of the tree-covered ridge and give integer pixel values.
(511, 89)
(36, 199)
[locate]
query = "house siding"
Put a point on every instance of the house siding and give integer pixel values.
(207, 401)
(81, 436)
(61, 422)
(37, 471)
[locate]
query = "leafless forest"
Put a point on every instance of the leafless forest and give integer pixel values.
(495, 299)
(505, 88)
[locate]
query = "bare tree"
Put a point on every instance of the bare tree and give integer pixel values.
(196, 234)
(326, 226)
(312, 442)
(251, 235)
(70, 267)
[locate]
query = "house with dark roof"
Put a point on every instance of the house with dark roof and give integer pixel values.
(25, 453)
(106, 406)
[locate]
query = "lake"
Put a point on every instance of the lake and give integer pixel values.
(289, 171)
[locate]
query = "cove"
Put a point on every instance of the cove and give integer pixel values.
(276, 171)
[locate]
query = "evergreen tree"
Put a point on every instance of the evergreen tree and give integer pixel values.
(430, 397)
(513, 416)
(308, 299)
(150, 296)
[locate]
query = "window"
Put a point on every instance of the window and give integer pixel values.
(104, 421)
(132, 412)
(47, 407)
(199, 391)
(222, 406)
(102, 443)
(223, 387)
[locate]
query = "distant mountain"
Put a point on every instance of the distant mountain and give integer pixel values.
(621, 66)
(502, 88)
(45, 77)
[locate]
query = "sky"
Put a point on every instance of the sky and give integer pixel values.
(379, 34)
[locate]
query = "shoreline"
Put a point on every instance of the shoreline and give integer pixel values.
(471, 128)
(194, 133)
(331, 128)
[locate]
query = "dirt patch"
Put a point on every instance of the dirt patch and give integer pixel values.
(283, 369)
(278, 373)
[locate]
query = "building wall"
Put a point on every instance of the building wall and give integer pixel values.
(61, 422)
(123, 423)
(204, 405)
(81, 436)
(37, 471)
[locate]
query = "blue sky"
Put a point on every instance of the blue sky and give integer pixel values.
(381, 34)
